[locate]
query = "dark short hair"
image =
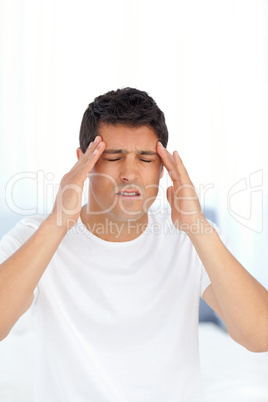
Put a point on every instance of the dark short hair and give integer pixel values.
(128, 106)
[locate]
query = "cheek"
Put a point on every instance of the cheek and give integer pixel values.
(101, 180)
(152, 183)
(104, 168)
(155, 174)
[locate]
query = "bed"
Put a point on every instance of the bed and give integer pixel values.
(230, 373)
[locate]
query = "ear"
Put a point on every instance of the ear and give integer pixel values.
(79, 153)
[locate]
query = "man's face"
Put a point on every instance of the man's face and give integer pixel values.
(129, 163)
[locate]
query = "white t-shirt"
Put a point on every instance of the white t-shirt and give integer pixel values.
(117, 321)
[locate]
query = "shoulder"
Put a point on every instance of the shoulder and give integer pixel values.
(22, 231)
(161, 223)
(33, 221)
(28, 224)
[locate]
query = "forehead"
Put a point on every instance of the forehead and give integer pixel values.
(126, 137)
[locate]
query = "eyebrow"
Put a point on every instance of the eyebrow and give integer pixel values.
(125, 151)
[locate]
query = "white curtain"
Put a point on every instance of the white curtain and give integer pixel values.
(205, 64)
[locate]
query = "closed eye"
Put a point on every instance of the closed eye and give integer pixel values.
(113, 160)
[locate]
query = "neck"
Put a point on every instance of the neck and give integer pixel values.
(113, 230)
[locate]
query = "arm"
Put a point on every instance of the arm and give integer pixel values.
(240, 300)
(21, 272)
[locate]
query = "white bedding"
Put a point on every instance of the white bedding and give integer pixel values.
(230, 372)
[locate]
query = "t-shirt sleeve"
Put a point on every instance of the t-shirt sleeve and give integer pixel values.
(205, 280)
(17, 236)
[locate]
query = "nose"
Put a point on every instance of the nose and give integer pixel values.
(129, 171)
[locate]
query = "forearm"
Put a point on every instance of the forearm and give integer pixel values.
(238, 297)
(242, 299)
(20, 273)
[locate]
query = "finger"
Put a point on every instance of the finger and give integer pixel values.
(169, 163)
(91, 148)
(170, 195)
(187, 185)
(181, 168)
(87, 161)
(91, 158)
(89, 151)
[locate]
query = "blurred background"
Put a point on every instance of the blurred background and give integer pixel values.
(204, 62)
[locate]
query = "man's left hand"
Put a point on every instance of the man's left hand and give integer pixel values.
(186, 212)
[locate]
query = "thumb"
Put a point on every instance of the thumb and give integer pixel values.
(170, 195)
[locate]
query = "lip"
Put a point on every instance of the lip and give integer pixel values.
(130, 197)
(129, 190)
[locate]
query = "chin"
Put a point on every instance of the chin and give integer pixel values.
(124, 217)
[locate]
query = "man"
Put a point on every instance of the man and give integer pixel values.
(116, 287)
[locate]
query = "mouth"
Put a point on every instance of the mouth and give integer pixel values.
(129, 194)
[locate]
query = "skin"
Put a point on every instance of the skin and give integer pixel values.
(118, 171)
(235, 295)
(240, 300)
(123, 219)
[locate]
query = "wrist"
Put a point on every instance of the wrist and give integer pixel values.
(55, 225)
(200, 227)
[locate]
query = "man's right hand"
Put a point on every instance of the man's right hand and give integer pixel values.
(21, 272)
(67, 206)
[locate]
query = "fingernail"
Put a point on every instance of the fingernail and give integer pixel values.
(96, 139)
(161, 144)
